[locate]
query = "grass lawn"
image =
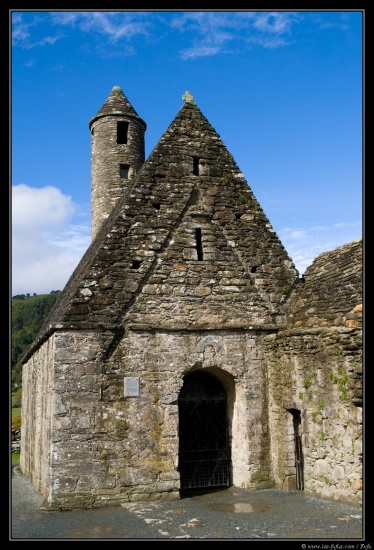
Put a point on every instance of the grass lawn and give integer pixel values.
(16, 411)
(15, 459)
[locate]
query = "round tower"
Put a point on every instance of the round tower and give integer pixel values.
(117, 153)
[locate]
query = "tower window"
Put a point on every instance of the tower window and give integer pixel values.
(122, 131)
(196, 166)
(199, 244)
(124, 171)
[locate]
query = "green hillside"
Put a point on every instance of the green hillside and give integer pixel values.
(28, 315)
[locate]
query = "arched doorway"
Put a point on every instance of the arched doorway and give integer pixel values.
(204, 452)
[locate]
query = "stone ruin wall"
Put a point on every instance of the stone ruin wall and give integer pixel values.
(314, 374)
(315, 366)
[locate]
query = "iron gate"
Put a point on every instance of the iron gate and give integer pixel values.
(203, 441)
(299, 462)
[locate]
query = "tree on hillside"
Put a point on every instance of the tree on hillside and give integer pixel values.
(28, 314)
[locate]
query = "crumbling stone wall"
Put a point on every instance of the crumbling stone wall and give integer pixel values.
(315, 366)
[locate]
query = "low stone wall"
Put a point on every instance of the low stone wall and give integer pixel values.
(16, 440)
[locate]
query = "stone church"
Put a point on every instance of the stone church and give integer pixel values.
(186, 352)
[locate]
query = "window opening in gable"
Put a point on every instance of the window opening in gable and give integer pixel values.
(254, 269)
(199, 244)
(124, 171)
(122, 131)
(196, 166)
(136, 264)
(156, 205)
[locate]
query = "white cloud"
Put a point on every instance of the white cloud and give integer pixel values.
(21, 35)
(20, 31)
(225, 32)
(114, 25)
(274, 22)
(207, 32)
(39, 208)
(47, 240)
(200, 51)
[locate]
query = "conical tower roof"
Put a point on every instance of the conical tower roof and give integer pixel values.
(117, 104)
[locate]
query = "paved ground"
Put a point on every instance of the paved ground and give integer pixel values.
(219, 515)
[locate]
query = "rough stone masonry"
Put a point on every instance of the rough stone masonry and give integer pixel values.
(186, 300)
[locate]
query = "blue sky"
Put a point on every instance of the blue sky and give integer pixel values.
(283, 90)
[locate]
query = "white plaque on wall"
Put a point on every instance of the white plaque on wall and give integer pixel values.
(131, 386)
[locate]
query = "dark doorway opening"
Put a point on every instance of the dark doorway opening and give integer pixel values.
(204, 453)
(299, 461)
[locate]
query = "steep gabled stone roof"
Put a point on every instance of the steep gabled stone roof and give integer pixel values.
(143, 260)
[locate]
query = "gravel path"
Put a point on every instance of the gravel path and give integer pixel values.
(232, 513)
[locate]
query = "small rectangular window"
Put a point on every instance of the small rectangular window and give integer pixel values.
(122, 130)
(124, 171)
(196, 166)
(199, 244)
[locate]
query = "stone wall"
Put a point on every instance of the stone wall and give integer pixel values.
(162, 358)
(107, 448)
(37, 422)
(311, 373)
(315, 366)
(331, 292)
(16, 440)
